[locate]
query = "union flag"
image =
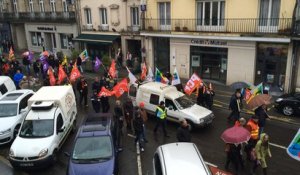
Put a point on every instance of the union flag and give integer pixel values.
(61, 74)
(121, 87)
(105, 92)
(52, 79)
(112, 69)
(74, 73)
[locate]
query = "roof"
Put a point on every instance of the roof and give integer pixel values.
(179, 155)
(57, 92)
(157, 87)
(14, 95)
(96, 38)
(41, 115)
(3, 79)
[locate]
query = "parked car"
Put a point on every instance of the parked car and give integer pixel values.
(13, 109)
(51, 118)
(94, 151)
(179, 158)
(178, 105)
(6, 85)
(288, 104)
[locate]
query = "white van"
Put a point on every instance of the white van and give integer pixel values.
(6, 85)
(178, 159)
(13, 109)
(178, 104)
(51, 117)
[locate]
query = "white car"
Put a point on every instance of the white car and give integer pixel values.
(6, 85)
(13, 109)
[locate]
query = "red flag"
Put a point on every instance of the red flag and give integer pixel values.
(74, 73)
(192, 84)
(144, 72)
(112, 69)
(61, 74)
(105, 92)
(11, 53)
(121, 87)
(247, 94)
(52, 79)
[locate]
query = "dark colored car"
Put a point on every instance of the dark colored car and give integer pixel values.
(94, 151)
(288, 104)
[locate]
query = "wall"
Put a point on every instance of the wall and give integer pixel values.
(20, 36)
(180, 55)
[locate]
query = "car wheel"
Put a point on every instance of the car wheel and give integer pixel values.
(287, 110)
(16, 130)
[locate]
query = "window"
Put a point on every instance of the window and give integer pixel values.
(31, 9)
(52, 5)
(211, 13)
(135, 21)
(59, 122)
(154, 99)
(3, 89)
(65, 6)
(88, 16)
(65, 39)
(36, 38)
(269, 12)
(42, 8)
(103, 16)
(15, 6)
(170, 104)
(164, 13)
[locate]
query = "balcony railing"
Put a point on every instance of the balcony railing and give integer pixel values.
(39, 16)
(249, 26)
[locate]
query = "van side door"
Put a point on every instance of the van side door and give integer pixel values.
(153, 102)
(173, 112)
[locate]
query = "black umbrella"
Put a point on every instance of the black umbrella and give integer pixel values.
(239, 85)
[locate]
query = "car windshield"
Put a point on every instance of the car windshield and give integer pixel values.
(8, 110)
(184, 102)
(37, 128)
(92, 148)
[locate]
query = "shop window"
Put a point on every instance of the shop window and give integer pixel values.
(65, 39)
(154, 99)
(135, 21)
(211, 13)
(36, 38)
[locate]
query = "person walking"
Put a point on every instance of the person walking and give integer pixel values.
(241, 122)
(105, 103)
(262, 151)
(209, 97)
(138, 129)
(78, 63)
(145, 118)
(128, 112)
(200, 97)
(233, 156)
(36, 68)
(119, 122)
(183, 132)
(253, 128)
(235, 105)
(83, 91)
(17, 78)
(26, 63)
(161, 118)
(95, 101)
(96, 85)
(261, 112)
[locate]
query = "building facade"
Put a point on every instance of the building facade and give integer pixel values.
(40, 24)
(221, 40)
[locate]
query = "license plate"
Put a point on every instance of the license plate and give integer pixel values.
(26, 164)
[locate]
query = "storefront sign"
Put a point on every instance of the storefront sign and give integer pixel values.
(45, 28)
(208, 42)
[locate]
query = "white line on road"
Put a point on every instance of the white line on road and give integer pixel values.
(138, 159)
(278, 146)
(130, 135)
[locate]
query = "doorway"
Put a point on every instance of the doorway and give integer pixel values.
(50, 41)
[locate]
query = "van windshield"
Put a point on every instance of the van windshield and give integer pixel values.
(184, 102)
(8, 110)
(37, 128)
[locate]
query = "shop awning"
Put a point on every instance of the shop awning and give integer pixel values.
(93, 38)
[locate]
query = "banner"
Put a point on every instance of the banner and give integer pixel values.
(150, 75)
(120, 88)
(192, 84)
(144, 72)
(112, 69)
(52, 79)
(105, 92)
(176, 79)
(61, 74)
(97, 64)
(84, 55)
(11, 54)
(131, 77)
(294, 148)
(74, 73)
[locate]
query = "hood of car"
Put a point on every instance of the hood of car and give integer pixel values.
(7, 122)
(197, 111)
(103, 168)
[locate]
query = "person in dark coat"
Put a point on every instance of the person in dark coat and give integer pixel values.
(119, 123)
(233, 155)
(95, 102)
(261, 112)
(138, 129)
(83, 91)
(105, 104)
(161, 118)
(36, 68)
(96, 85)
(128, 112)
(200, 97)
(209, 97)
(26, 63)
(183, 132)
(235, 105)
(78, 63)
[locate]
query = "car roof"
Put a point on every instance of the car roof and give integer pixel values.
(96, 124)
(182, 158)
(15, 96)
(157, 87)
(3, 79)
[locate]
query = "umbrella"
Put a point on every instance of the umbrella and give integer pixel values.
(235, 135)
(258, 100)
(239, 85)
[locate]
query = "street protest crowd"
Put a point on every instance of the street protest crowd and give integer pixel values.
(249, 143)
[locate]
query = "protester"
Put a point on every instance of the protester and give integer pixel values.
(138, 129)
(200, 97)
(262, 151)
(119, 122)
(183, 132)
(105, 104)
(209, 97)
(83, 91)
(235, 105)
(241, 122)
(253, 128)
(161, 118)
(233, 156)
(96, 85)
(26, 63)
(128, 112)
(36, 68)
(261, 112)
(78, 63)
(145, 118)
(95, 102)
(17, 78)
